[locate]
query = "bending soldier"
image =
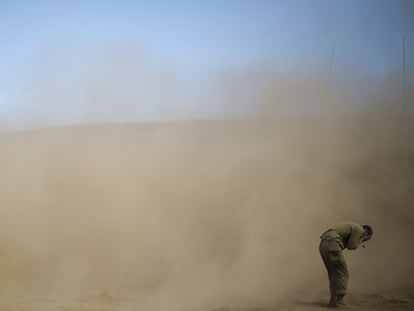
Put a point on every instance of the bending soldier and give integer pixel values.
(333, 241)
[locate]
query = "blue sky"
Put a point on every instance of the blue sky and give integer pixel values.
(196, 38)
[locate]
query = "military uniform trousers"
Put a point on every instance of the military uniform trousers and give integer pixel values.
(335, 263)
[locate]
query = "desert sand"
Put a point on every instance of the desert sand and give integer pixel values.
(204, 215)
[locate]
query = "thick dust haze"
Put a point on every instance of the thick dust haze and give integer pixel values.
(204, 213)
(198, 214)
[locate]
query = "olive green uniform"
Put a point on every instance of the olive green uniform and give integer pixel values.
(333, 242)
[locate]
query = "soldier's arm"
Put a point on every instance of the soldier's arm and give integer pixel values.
(356, 238)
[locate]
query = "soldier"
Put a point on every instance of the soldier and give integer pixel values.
(333, 241)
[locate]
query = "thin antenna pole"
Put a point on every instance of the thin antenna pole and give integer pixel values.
(404, 76)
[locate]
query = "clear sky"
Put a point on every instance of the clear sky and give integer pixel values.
(191, 39)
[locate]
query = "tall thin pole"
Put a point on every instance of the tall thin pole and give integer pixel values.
(404, 76)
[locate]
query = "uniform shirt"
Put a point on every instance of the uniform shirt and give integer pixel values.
(348, 235)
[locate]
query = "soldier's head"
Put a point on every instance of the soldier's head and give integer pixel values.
(368, 232)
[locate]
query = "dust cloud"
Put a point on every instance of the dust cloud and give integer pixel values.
(198, 214)
(204, 213)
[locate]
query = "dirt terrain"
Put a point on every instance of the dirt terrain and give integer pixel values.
(106, 302)
(204, 215)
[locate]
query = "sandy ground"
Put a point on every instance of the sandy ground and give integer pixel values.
(106, 302)
(204, 216)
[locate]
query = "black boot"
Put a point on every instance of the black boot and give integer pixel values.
(333, 301)
(340, 300)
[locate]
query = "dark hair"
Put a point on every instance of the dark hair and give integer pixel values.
(368, 230)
